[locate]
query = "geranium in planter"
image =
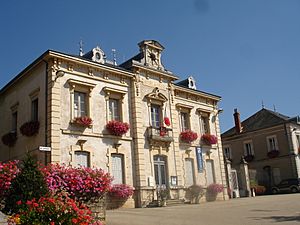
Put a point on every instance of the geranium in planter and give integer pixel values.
(209, 139)
(163, 131)
(117, 128)
(188, 136)
(30, 128)
(273, 154)
(10, 138)
(214, 189)
(249, 158)
(84, 121)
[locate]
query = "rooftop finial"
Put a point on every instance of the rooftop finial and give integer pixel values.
(262, 104)
(81, 48)
(274, 108)
(114, 56)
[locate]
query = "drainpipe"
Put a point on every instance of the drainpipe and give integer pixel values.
(46, 110)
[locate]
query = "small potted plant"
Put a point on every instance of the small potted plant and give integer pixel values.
(84, 121)
(209, 139)
(167, 121)
(118, 195)
(10, 138)
(117, 128)
(273, 153)
(30, 128)
(163, 131)
(188, 136)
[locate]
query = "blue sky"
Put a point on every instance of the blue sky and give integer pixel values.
(243, 50)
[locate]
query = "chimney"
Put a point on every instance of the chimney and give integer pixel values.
(237, 121)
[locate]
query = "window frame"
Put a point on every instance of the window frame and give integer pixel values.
(122, 157)
(228, 155)
(204, 121)
(88, 154)
(245, 144)
(83, 87)
(114, 94)
(275, 141)
(35, 109)
(157, 115)
(14, 122)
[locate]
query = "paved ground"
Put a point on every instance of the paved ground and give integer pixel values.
(2, 219)
(274, 209)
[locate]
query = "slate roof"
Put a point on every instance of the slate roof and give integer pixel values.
(262, 119)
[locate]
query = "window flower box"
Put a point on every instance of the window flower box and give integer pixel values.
(117, 128)
(10, 138)
(30, 128)
(188, 136)
(84, 121)
(249, 158)
(209, 139)
(273, 154)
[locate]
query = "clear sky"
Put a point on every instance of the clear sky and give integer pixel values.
(243, 50)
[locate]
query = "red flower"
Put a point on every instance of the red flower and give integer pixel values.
(188, 136)
(19, 202)
(167, 121)
(209, 139)
(117, 128)
(83, 121)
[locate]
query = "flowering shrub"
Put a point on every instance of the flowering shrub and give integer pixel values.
(9, 139)
(83, 184)
(188, 136)
(30, 128)
(8, 171)
(273, 154)
(52, 210)
(215, 188)
(209, 139)
(117, 128)
(121, 191)
(84, 121)
(167, 121)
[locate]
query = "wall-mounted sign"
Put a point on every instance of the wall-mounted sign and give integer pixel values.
(45, 149)
(199, 158)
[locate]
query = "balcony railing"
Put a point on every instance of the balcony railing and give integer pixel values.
(161, 134)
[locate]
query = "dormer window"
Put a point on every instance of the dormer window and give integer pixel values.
(192, 83)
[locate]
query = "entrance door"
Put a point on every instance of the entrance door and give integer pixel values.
(210, 172)
(160, 171)
(189, 172)
(234, 183)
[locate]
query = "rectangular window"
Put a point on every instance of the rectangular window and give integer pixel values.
(114, 109)
(14, 123)
(189, 172)
(248, 149)
(184, 119)
(82, 158)
(155, 115)
(272, 143)
(117, 168)
(204, 124)
(227, 153)
(80, 104)
(298, 140)
(35, 109)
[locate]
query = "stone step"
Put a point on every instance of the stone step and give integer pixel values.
(173, 202)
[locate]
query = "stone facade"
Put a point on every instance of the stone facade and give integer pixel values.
(151, 153)
(264, 131)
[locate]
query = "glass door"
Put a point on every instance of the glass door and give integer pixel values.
(160, 171)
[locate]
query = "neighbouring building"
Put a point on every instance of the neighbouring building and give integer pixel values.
(269, 143)
(58, 109)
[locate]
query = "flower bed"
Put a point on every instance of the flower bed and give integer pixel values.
(209, 139)
(30, 128)
(118, 195)
(9, 139)
(84, 121)
(188, 136)
(215, 188)
(117, 128)
(52, 210)
(273, 154)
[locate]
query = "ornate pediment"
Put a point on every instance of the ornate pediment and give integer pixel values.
(156, 95)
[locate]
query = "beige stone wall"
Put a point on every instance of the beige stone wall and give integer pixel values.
(33, 83)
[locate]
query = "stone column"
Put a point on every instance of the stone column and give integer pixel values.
(245, 180)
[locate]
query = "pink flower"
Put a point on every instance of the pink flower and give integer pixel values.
(117, 128)
(167, 121)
